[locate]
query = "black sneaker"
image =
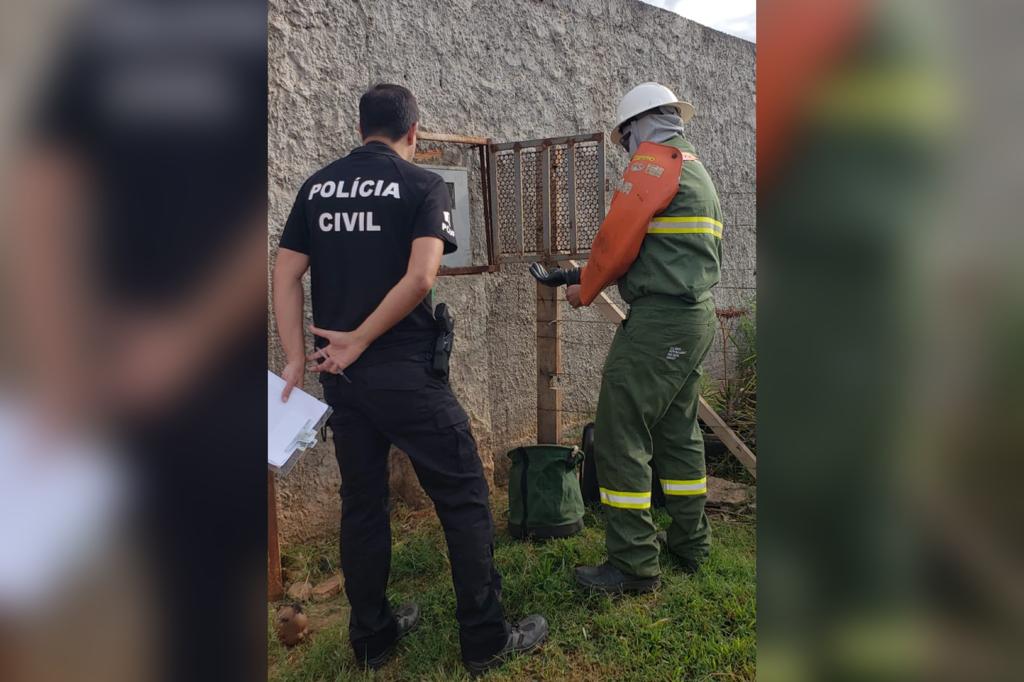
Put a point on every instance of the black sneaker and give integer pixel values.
(407, 617)
(526, 636)
(607, 578)
(687, 565)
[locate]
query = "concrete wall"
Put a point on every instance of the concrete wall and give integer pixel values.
(508, 71)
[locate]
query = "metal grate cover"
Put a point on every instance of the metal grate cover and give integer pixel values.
(547, 197)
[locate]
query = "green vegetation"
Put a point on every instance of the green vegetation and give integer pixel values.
(734, 398)
(694, 628)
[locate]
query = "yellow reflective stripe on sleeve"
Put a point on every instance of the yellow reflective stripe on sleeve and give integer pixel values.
(685, 225)
(685, 230)
(687, 219)
(625, 500)
(697, 486)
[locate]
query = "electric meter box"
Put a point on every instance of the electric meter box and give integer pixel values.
(457, 180)
(532, 200)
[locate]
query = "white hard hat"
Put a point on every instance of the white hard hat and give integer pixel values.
(645, 97)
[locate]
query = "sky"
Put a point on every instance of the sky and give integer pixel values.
(736, 17)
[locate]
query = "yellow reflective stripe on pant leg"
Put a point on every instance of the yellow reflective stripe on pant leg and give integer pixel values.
(685, 225)
(625, 500)
(698, 486)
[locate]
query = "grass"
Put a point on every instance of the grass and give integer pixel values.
(698, 627)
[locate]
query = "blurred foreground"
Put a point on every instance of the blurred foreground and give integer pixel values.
(890, 336)
(132, 296)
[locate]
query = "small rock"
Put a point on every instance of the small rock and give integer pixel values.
(300, 591)
(723, 493)
(292, 624)
(327, 588)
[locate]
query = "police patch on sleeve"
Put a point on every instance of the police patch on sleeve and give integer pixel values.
(446, 224)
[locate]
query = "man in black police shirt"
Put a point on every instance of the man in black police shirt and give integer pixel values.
(372, 227)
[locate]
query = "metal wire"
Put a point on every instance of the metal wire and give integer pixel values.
(507, 196)
(589, 197)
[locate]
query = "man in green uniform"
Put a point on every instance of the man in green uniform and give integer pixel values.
(649, 393)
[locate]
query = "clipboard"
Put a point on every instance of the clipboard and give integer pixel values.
(293, 426)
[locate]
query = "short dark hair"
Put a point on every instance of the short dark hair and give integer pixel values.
(387, 109)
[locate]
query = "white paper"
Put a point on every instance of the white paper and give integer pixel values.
(60, 498)
(292, 425)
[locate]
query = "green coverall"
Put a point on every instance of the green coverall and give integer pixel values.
(649, 392)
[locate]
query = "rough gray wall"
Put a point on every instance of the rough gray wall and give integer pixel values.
(508, 71)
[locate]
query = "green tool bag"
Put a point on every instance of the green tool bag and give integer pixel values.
(544, 499)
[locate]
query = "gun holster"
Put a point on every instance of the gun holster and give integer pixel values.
(444, 323)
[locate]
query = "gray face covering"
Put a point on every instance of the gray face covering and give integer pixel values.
(660, 125)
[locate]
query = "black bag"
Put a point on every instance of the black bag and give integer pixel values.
(588, 482)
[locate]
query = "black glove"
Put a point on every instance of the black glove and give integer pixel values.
(555, 277)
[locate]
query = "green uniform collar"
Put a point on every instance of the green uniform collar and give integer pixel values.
(681, 142)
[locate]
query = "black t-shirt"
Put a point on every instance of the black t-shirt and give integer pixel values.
(356, 220)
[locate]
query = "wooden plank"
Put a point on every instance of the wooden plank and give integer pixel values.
(450, 137)
(428, 156)
(275, 583)
(707, 414)
(549, 366)
(732, 441)
(468, 270)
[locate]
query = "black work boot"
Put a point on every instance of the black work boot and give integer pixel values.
(407, 617)
(687, 565)
(526, 636)
(607, 578)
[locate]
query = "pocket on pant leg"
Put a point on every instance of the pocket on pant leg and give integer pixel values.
(406, 375)
(396, 394)
(450, 414)
(335, 394)
(443, 454)
(452, 421)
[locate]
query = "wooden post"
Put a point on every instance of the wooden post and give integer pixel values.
(275, 585)
(549, 365)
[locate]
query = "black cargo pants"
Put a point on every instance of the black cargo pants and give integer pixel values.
(401, 403)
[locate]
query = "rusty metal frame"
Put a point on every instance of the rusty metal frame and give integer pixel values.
(486, 186)
(570, 180)
(454, 139)
(548, 141)
(549, 227)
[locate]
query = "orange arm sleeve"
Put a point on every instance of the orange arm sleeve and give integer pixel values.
(650, 182)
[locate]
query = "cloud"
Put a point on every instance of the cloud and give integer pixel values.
(735, 17)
